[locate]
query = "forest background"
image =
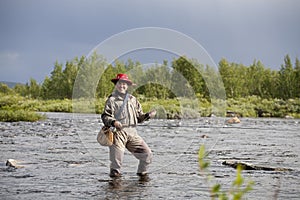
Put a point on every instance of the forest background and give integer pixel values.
(251, 91)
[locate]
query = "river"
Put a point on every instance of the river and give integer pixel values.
(61, 158)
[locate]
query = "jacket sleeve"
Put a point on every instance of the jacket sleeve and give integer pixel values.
(107, 115)
(141, 116)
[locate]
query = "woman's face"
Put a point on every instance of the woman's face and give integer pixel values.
(122, 87)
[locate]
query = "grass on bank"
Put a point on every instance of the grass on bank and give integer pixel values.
(20, 115)
(18, 108)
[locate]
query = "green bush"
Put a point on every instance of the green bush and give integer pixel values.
(55, 106)
(20, 115)
(166, 108)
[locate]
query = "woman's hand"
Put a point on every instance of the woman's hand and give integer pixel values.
(152, 113)
(118, 125)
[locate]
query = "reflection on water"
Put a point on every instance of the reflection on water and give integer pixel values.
(62, 159)
(128, 188)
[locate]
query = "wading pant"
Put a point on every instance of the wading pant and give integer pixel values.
(128, 138)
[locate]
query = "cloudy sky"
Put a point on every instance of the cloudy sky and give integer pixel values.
(34, 33)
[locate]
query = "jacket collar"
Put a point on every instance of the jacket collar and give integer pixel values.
(119, 95)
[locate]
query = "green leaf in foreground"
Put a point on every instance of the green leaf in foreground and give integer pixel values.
(238, 188)
(201, 158)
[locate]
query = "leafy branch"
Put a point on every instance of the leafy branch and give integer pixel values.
(237, 189)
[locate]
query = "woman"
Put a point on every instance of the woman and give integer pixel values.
(123, 111)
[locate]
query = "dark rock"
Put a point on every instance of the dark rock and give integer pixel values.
(248, 166)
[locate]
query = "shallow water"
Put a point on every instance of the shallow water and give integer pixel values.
(62, 160)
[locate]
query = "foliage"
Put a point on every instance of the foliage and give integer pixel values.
(166, 108)
(60, 84)
(242, 81)
(19, 115)
(4, 89)
(237, 190)
(183, 77)
(250, 91)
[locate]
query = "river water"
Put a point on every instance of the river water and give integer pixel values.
(61, 159)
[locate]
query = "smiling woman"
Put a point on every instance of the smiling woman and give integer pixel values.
(123, 112)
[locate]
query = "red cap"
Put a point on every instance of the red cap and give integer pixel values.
(122, 77)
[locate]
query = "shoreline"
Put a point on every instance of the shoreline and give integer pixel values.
(19, 108)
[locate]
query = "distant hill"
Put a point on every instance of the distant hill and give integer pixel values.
(10, 84)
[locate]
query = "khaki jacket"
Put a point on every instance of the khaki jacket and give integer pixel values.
(132, 112)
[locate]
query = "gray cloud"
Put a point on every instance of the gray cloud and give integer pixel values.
(41, 32)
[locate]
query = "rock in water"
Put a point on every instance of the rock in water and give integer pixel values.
(248, 166)
(234, 120)
(13, 163)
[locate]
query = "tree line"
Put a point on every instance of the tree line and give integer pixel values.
(182, 77)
